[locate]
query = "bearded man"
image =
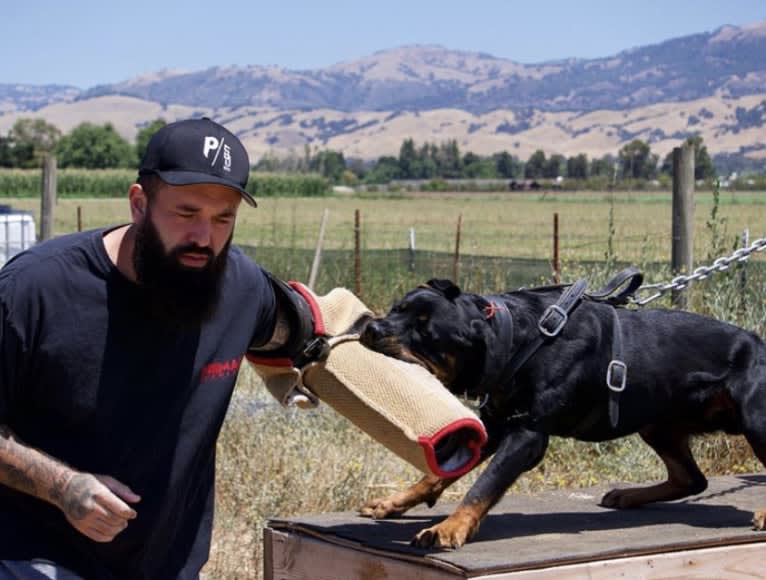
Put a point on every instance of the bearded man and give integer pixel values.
(120, 349)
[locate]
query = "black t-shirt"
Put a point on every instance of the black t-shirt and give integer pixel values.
(89, 378)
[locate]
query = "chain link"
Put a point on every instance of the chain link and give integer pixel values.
(680, 282)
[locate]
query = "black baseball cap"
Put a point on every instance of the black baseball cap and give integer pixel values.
(198, 151)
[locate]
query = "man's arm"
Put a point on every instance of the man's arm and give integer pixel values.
(93, 504)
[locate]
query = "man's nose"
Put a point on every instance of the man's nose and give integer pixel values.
(201, 233)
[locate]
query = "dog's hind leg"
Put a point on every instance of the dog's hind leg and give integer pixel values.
(684, 477)
(756, 436)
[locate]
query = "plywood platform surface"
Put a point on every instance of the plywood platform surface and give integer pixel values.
(564, 527)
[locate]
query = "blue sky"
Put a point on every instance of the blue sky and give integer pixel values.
(89, 42)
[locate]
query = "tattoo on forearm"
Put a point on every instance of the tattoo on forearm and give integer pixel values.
(15, 469)
(29, 470)
(17, 478)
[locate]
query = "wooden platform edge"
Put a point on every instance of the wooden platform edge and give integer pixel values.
(294, 552)
(294, 555)
(723, 563)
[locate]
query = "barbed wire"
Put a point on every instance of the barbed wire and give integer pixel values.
(680, 282)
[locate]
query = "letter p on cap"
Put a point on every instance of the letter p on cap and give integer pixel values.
(210, 143)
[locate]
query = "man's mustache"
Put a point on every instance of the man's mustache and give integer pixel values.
(193, 249)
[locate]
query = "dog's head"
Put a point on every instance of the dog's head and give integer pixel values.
(438, 327)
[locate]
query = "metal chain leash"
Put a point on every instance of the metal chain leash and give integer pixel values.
(680, 282)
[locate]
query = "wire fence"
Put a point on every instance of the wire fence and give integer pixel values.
(384, 275)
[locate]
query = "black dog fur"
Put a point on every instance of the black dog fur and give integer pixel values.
(687, 374)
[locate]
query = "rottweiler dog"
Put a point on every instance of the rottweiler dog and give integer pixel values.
(550, 364)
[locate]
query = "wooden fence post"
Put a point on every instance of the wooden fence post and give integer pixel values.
(556, 270)
(48, 197)
(682, 254)
(411, 246)
(456, 261)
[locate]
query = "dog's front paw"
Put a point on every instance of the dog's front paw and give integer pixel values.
(620, 499)
(451, 533)
(759, 520)
(381, 508)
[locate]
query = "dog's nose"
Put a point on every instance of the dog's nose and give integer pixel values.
(372, 333)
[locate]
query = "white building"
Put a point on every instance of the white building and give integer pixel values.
(17, 232)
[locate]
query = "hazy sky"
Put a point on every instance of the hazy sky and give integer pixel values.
(89, 42)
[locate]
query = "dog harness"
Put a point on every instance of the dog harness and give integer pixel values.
(555, 317)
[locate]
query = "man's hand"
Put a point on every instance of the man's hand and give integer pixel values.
(95, 505)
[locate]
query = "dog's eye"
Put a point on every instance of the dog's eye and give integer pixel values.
(423, 317)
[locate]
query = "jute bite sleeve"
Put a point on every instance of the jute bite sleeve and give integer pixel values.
(399, 404)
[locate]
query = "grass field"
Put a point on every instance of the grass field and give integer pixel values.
(517, 225)
(282, 462)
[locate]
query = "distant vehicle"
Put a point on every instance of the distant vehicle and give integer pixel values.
(17, 232)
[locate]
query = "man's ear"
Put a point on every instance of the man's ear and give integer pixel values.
(138, 202)
(446, 287)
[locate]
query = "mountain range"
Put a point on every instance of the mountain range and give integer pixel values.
(712, 84)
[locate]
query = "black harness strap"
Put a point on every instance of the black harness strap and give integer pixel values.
(631, 276)
(550, 324)
(616, 372)
(616, 292)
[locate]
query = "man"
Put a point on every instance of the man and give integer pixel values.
(120, 349)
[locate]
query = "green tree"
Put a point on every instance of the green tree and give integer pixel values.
(603, 166)
(357, 166)
(95, 147)
(449, 163)
(508, 166)
(424, 165)
(144, 135)
(554, 166)
(7, 158)
(408, 157)
(637, 160)
(535, 165)
(31, 140)
(476, 167)
(329, 164)
(386, 169)
(703, 165)
(577, 167)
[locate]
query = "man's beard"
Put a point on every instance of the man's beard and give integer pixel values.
(173, 293)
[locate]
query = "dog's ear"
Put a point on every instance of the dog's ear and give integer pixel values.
(446, 287)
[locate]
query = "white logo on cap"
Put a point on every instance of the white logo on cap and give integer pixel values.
(212, 143)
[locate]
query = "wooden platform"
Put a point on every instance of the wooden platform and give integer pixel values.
(560, 534)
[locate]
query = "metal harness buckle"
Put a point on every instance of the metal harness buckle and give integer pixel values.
(552, 309)
(610, 382)
(316, 350)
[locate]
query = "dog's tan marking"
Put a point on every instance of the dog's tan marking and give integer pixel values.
(427, 490)
(456, 530)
